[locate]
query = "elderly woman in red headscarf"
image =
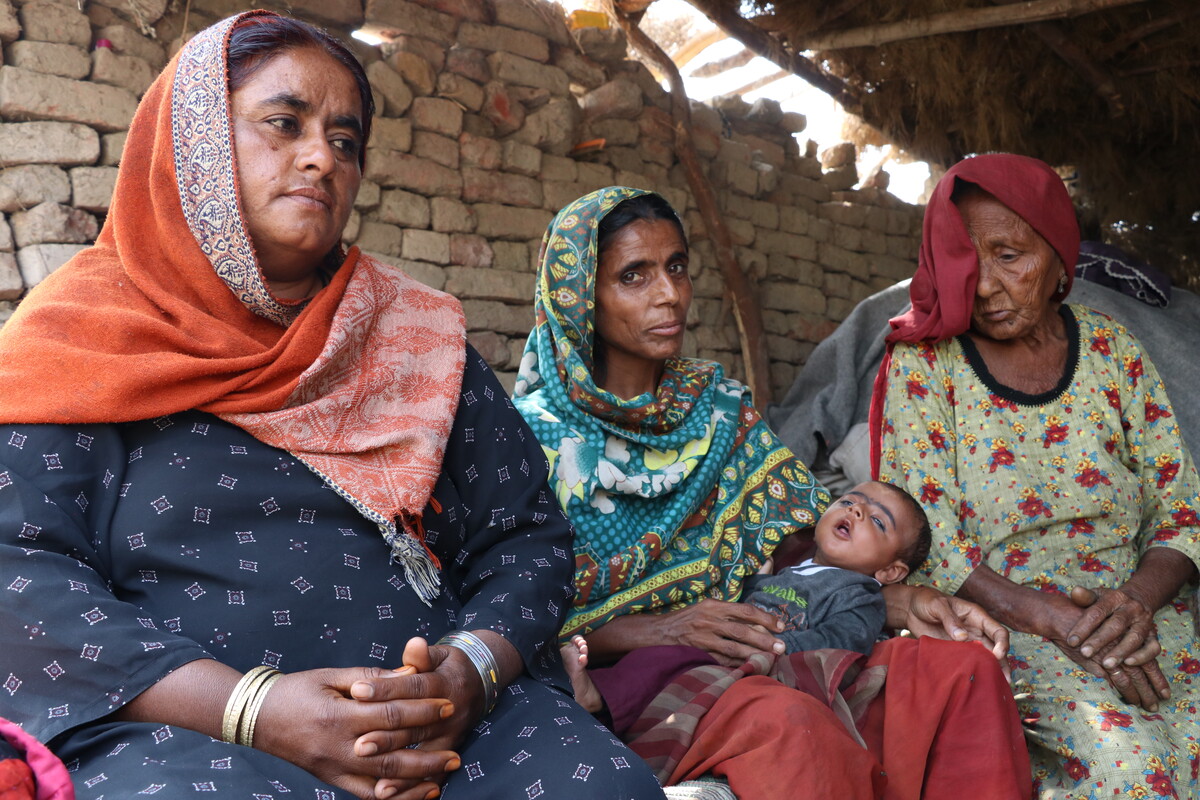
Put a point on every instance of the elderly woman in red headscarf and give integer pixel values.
(1041, 441)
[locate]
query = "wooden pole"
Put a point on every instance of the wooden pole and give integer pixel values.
(971, 19)
(746, 309)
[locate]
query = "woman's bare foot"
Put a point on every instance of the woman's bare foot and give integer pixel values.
(575, 659)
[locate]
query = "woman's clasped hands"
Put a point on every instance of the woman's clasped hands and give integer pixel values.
(382, 734)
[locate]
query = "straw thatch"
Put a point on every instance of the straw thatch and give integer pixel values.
(1112, 95)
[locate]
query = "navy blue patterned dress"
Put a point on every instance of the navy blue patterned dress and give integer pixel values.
(129, 550)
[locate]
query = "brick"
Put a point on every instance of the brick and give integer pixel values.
(492, 347)
(479, 151)
(847, 237)
(892, 268)
(420, 175)
(147, 11)
(494, 38)
(127, 72)
(553, 128)
(396, 94)
(514, 69)
(406, 16)
(52, 58)
(735, 153)
(451, 216)
(6, 237)
(903, 246)
(32, 95)
(426, 246)
(27, 185)
(521, 159)
(820, 230)
(458, 89)
(111, 146)
(558, 168)
(752, 262)
(471, 10)
(489, 284)
(379, 237)
(788, 244)
(369, 195)
(899, 223)
(10, 26)
(502, 109)
(763, 215)
(402, 208)
(529, 17)
(438, 115)
(625, 159)
(559, 193)
(840, 178)
(470, 251)
(805, 187)
(344, 14)
(513, 256)
(432, 52)
(617, 99)
(483, 186)
(606, 45)
(129, 42)
(874, 242)
(596, 175)
(11, 285)
(39, 260)
(735, 176)
(497, 221)
(428, 274)
(53, 22)
(441, 149)
(488, 315)
(763, 151)
(616, 132)
(792, 297)
(838, 260)
(53, 223)
(579, 68)
(844, 213)
(416, 71)
(391, 134)
(793, 220)
(92, 188)
(468, 62)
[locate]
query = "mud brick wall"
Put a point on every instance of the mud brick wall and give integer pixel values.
(481, 106)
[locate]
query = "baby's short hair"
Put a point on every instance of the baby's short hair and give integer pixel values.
(915, 554)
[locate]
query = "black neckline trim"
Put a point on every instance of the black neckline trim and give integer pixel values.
(975, 360)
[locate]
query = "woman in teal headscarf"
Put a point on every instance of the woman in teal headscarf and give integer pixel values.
(678, 491)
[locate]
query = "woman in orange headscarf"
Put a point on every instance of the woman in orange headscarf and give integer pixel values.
(1040, 440)
(218, 428)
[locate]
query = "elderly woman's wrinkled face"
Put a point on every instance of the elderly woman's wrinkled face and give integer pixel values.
(297, 127)
(1018, 270)
(643, 292)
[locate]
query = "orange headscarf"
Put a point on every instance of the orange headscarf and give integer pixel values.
(943, 289)
(169, 311)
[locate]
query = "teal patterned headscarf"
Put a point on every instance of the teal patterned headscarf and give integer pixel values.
(675, 495)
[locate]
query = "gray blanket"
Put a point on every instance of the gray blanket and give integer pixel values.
(833, 391)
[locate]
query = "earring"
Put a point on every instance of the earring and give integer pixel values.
(1062, 282)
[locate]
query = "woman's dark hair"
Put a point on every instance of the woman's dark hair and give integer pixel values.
(256, 40)
(648, 207)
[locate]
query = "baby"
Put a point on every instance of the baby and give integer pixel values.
(874, 535)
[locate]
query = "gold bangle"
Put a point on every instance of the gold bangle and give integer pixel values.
(250, 718)
(252, 692)
(238, 698)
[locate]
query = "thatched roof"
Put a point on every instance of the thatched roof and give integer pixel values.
(1108, 89)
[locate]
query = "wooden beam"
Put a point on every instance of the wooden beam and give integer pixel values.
(697, 45)
(747, 310)
(772, 49)
(739, 59)
(1083, 64)
(971, 19)
(766, 80)
(1135, 35)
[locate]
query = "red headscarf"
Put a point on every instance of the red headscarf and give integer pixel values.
(943, 289)
(169, 311)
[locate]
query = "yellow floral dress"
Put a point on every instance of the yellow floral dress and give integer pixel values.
(1065, 488)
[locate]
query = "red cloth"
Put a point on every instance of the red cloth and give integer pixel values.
(918, 718)
(943, 289)
(40, 776)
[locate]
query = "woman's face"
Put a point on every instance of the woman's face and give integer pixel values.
(1018, 270)
(297, 129)
(643, 292)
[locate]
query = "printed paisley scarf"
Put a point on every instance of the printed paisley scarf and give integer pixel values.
(169, 311)
(676, 495)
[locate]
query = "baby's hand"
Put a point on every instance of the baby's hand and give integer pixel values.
(768, 567)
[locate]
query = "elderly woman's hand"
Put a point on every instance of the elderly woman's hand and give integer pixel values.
(317, 720)
(928, 612)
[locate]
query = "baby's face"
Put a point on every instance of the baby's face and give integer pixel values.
(865, 530)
